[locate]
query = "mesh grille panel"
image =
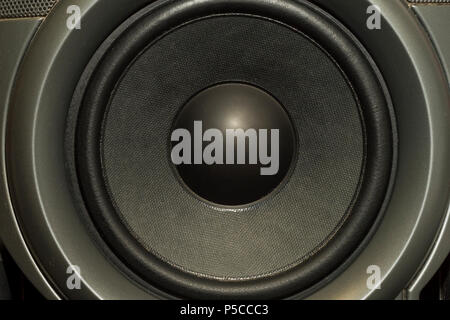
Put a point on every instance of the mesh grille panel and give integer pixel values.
(25, 8)
(429, 1)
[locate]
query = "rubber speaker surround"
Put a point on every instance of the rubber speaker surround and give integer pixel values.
(150, 67)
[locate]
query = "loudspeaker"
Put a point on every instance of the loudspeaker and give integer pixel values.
(225, 149)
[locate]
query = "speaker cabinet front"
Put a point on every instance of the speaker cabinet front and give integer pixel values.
(225, 149)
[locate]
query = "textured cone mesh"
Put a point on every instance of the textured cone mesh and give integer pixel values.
(172, 224)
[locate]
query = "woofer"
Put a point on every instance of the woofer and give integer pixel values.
(89, 180)
(339, 146)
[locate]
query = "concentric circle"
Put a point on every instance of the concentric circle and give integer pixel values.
(287, 243)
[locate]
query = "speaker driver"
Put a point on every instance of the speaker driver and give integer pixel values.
(198, 217)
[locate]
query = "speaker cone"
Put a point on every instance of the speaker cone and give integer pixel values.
(223, 230)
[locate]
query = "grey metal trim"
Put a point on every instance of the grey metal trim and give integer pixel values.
(436, 21)
(15, 36)
(439, 252)
(46, 210)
